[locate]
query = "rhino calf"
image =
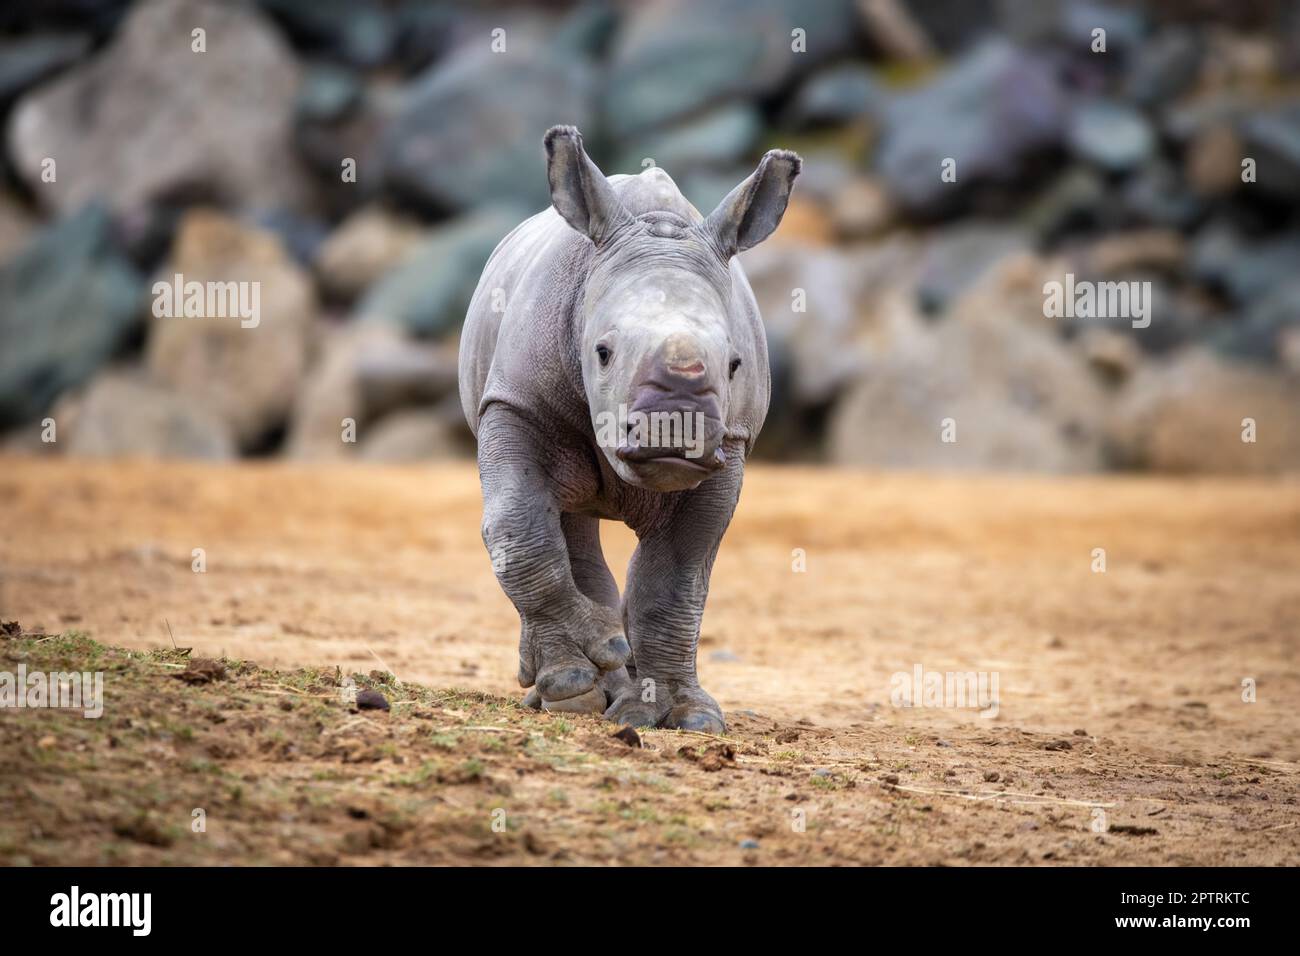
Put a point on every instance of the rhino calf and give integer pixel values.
(613, 366)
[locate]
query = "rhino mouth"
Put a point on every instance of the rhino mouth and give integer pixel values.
(672, 457)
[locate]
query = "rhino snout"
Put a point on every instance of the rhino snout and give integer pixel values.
(675, 421)
(669, 386)
(678, 370)
(673, 396)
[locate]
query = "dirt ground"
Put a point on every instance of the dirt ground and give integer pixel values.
(1120, 734)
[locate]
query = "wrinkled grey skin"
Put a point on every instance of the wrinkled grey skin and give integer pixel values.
(621, 294)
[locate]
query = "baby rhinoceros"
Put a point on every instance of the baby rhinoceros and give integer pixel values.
(613, 365)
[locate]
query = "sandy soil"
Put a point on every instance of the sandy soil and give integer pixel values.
(1120, 734)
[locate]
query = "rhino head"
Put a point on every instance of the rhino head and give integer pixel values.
(670, 346)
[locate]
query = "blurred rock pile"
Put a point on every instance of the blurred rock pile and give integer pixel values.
(895, 298)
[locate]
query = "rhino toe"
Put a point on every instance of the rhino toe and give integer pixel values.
(592, 702)
(703, 721)
(633, 713)
(693, 709)
(611, 654)
(565, 681)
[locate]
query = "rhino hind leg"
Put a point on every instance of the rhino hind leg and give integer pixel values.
(590, 572)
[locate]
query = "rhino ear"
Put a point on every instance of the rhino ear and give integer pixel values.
(579, 190)
(752, 210)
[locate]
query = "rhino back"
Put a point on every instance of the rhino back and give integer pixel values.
(513, 325)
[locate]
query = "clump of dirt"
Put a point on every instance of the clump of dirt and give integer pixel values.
(712, 759)
(202, 670)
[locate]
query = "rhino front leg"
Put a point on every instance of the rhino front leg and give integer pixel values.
(566, 639)
(593, 578)
(668, 583)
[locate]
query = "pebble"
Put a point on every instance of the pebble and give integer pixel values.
(371, 700)
(628, 735)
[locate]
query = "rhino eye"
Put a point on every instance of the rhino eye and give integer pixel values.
(731, 372)
(602, 353)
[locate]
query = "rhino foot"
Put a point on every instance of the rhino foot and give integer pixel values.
(609, 686)
(565, 656)
(683, 708)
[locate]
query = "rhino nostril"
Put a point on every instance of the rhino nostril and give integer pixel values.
(695, 368)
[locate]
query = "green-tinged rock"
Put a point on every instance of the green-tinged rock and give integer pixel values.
(675, 58)
(430, 291)
(469, 131)
(717, 138)
(67, 301)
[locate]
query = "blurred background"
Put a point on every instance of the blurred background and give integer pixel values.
(892, 299)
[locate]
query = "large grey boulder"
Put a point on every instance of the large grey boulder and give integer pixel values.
(467, 130)
(1272, 139)
(812, 299)
(26, 61)
(715, 140)
(1017, 396)
(122, 414)
(1246, 270)
(673, 59)
(412, 435)
(995, 107)
(1188, 415)
(957, 257)
(148, 118)
(368, 244)
(367, 372)
(430, 288)
(838, 94)
(247, 374)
